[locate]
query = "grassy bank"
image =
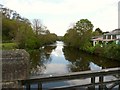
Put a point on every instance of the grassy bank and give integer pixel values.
(7, 46)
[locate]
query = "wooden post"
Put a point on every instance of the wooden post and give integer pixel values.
(20, 86)
(119, 87)
(101, 78)
(39, 86)
(27, 86)
(93, 84)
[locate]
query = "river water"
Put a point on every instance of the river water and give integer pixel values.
(59, 59)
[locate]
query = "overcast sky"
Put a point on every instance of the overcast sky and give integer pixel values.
(60, 15)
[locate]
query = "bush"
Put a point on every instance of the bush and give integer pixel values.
(90, 50)
(99, 51)
(111, 51)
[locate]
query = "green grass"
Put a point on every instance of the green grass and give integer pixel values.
(8, 46)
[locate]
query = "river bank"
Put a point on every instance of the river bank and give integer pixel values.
(49, 60)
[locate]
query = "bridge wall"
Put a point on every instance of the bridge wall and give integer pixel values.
(15, 65)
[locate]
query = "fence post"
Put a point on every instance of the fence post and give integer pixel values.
(39, 86)
(93, 84)
(119, 83)
(27, 86)
(101, 79)
(20, 86)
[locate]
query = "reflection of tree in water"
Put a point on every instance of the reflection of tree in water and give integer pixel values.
(48, 50)
(80, 60)
(39, 58)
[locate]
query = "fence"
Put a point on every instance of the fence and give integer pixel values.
(78, 75)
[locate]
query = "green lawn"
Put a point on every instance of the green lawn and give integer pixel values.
(8, 46)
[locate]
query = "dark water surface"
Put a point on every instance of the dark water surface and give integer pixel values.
(57, 58)
(60, 59)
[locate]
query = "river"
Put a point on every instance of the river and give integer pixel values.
(59, 59)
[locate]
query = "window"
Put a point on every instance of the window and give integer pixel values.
(114, 37)
(109, 36)
(104, 37)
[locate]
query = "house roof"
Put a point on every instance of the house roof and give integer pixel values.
(114, 32)
(101, 39)
(94, 37)
(97, 38)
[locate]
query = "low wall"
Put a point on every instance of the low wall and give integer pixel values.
(15, 65)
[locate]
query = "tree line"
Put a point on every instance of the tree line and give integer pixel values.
(25, 34)
(80, 35)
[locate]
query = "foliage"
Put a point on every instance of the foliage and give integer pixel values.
(97, 32)
(60, 38)
(83, 25)
(71, 38)
(111, 51)
(99, 50)
(48, 38)
(21, 31)
(25, 38)
(90, 50)
(79, 36)
(8, 29)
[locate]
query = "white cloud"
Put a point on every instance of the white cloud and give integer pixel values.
(58, 15)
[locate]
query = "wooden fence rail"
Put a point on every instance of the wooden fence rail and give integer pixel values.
(77, 75)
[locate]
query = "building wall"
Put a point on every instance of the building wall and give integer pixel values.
(118, 36)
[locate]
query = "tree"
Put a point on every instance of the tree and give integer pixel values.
(79, 36)
(84, 28)
(83, 25)
(9, 29)
(37, 26)
(71, 38)
(19, 30)
(97, 32)
(26, 38)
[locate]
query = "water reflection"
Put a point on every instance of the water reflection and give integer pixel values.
(79, 61)
(58, 63)
(59, 59)
(39, 58)
(49, 60)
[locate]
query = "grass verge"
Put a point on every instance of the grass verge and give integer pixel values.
(8, 46)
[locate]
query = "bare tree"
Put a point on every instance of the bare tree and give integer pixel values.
(37, 26)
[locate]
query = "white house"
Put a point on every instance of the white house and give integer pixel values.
(108, 37)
